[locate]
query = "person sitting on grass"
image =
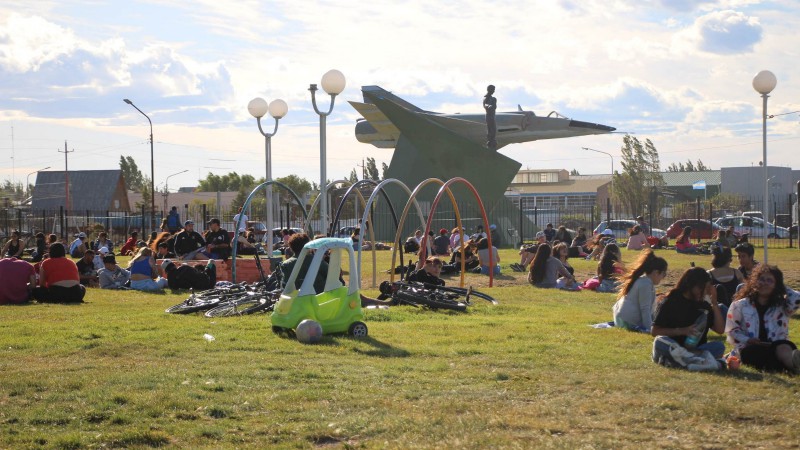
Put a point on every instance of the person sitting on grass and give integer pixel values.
(59, 281)
(86, 270)
(441, 245)
(580, 241)
(634, 308)
(599, 242)
(725, 278)
(428, 272)
(112, 276)
(78, 246)
(129, 247)
(218, 241)
(731, 237)
(637, 239)
(692, 297)
(609, 268)
(549, 232)
(758, 323)
(467, 252)
(13, 247)
(547, 271)
(19, 278)
(144, 274)
(683, 243)
(41, 248)
(189, 244)
(561, 252)
(562, 235)
(483, 257)
(184, 276)
(527, 253)
(103, 241)
(744, 253)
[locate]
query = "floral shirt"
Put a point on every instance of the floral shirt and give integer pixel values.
(742, 323)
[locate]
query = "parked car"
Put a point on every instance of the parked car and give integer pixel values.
(757, 214)
(701, 228)
(753, 226)
(621, 227)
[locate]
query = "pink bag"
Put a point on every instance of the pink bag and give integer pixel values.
(591, 283)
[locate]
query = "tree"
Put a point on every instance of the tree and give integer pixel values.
(574, 172)
(641, 173)
(384, 169)
(372, 170)
(701, 167)
(231, 181)
(353, 178)
(689, 167)
(133, 176)
(144, 189)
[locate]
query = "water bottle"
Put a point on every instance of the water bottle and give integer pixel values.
(733, 360)
(699, 327)
(191, 298)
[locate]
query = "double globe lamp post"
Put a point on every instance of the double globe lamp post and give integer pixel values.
(764, 82)
(258, 108)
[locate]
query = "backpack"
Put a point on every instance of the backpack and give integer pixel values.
(668, 353)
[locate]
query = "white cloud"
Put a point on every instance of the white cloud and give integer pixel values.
(725, 32)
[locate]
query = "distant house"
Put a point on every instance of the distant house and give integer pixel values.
(89, 190)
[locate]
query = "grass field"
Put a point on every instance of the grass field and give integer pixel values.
(529, 373)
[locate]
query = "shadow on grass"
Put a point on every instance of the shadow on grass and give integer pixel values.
(376, 347)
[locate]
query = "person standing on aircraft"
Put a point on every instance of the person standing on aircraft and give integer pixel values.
(490, 105)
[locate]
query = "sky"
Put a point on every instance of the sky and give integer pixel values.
(677, 72)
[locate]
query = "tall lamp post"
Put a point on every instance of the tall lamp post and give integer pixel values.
(277, 109)
(612, 167)
(166, 187)
(764, 82)
(152, 169)
(333, 83)
(27, 179)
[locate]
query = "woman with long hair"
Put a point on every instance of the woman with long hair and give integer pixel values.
(637, 239)
(724, 277)
(758, 323)
(680, 311)
(13, 247)
(546, 270)
(637, 293)
(561, 253)
(144, 273)
(59, 280)
(483, 256)
(609, 268)
(683, 244)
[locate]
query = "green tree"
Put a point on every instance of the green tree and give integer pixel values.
(641, 172)
(353, 176)
(144, 189)
(372, 170)
(231, 181)
(384, 169)
(133, 176)
(574, 172)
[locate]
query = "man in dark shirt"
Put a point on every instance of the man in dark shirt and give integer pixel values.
(189, 244)
(745, 252)
(428, 273)
(549, 232)
(86, 270)
(441, 245)
(218, 242)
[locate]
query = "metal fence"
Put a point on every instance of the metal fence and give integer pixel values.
(515, 221)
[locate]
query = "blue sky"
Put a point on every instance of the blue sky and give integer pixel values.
(678, 72)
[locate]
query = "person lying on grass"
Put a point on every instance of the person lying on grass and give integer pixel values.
(634, 308)
(547, 271)
(694, 296)
(758, 323)
(428, 272)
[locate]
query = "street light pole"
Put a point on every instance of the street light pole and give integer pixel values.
(333, 83)
(152, 169)
(612, 165)
(27, 178)
(277, 109)
(166, 187)
(764, 82)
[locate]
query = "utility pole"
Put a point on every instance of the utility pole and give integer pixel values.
(66, 174)
(363, 169)
(13, 164)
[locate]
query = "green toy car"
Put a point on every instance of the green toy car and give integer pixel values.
(337, 308)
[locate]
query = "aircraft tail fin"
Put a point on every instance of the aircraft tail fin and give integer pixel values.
(371, 92)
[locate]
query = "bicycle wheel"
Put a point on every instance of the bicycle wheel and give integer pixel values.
(187, 307)
(428, 299)
(263, 305)
(234, 308)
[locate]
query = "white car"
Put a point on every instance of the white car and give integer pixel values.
(753, 227)
(621, 227)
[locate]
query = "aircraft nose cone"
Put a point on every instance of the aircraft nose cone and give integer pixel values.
(593, 126)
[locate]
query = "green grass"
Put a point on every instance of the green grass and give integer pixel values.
(118, 372)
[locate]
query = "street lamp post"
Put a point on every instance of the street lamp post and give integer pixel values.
(152, 169)
(333, 83)
(611, 191)
(277, 109)
(764, 82)
(166, 187)
(28, 178)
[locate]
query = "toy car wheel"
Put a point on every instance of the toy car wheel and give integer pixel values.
(357, 329)
(277, 330)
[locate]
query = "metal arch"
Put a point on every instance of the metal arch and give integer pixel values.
(316, 201)
(335, 222)
(247, 201)
(413, 197)
(365, 219)
(446, 188)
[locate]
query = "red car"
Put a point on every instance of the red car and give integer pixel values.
(701, 229)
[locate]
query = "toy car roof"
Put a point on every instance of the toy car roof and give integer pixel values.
(330, 242)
